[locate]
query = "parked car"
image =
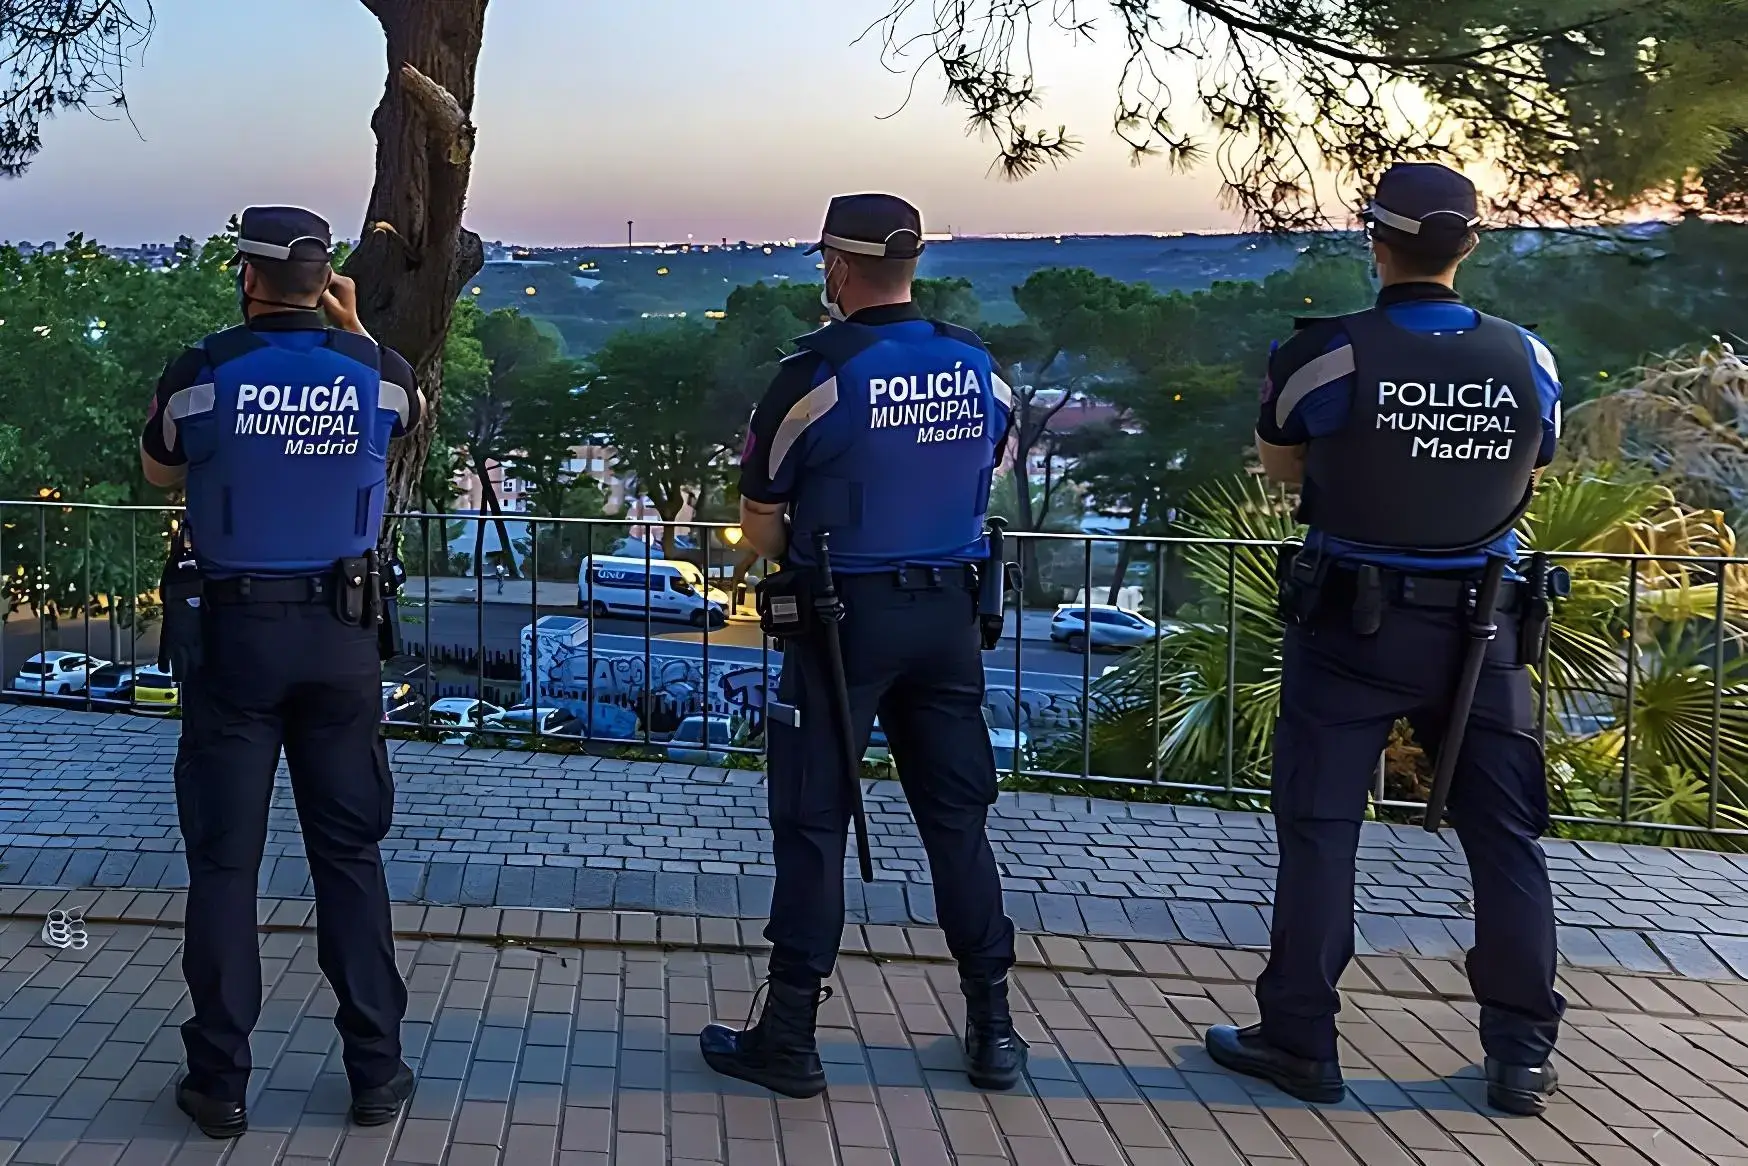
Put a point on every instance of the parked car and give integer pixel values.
(155, 691)
(879, 749)
(401, 703)
(1113, 628)
(1002, 740)
(689, 740)
(57, 673)
(113, 682)
(519, 723)
(1005, 741)
(461, 712)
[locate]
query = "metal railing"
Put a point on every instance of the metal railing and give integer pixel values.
(1642, 701)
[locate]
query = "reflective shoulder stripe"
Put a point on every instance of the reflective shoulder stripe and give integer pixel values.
(187, 402)
(1003, 392)
(396, 399)
(1329, 367)
(816, 404)
(1544, 356)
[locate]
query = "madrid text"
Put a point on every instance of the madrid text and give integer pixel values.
(1480, 414)
(318, 420)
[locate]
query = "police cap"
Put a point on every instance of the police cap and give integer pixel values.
(1425, 207)
(284, 232)
(882, 226)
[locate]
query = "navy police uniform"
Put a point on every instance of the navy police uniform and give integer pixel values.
(1422, 421)
(284, 427)
(883, 430)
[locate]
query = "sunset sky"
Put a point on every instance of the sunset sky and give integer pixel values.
(699, 117)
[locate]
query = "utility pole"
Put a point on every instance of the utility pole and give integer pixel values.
(628, 225)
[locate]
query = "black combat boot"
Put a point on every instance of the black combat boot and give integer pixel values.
(779, 1052)
(995, 1055)
(1520, 1089)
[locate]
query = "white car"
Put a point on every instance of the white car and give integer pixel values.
(56, 673)
(461, 712)
(1009, 745)
(1113, 628)
(518, 724)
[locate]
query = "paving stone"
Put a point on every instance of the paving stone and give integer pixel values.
(507, 1091)
(604, 833)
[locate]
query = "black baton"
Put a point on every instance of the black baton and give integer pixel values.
(830, 612)
(1481, 632)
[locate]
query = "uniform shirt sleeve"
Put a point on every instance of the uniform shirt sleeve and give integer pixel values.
(1548, 393)
(800, 394)
(400, 392)
(1309, 388)
(161, 437)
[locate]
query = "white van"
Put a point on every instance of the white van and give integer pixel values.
(669, 589)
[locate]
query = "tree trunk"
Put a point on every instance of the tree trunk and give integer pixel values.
(414, 256)
(488, 504)
(1125, 553)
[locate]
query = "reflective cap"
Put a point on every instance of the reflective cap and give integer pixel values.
(883, 226)
(284, 232)
(1430, 204)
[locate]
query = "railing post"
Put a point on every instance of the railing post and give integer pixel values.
(1231, 662)
(1086, 662)
(648, 631)
(589, 614)
(704, 709)
(533, 623)
(1715, 785)
(1158, 648)
(1632, 691)
(42, 590)
(85, 607)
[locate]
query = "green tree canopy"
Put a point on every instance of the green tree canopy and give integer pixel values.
(1582, 106)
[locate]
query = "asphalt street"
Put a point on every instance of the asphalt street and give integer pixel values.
(1044, 666)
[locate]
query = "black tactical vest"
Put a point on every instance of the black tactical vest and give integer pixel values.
(1441, 440)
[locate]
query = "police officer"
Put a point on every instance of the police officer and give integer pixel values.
(883, 430)
(1416, 429)
(278, 431)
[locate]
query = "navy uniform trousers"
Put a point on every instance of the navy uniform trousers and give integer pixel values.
(1340, 694)
(912, 654)
(293, 676)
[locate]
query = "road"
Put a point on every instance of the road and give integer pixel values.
(1045, 666)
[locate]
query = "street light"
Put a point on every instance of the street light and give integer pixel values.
(732, 536)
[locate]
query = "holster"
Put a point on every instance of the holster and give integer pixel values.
(352, 589)
(180, 642)
(785, 599)
(388, 630)
(1299, 577)
(992, 578)
(1535, 619)
(1368, 600)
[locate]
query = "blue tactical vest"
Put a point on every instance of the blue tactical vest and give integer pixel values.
(287, 452)
(899, 468)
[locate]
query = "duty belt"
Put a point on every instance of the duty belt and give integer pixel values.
(914, 578)
(1407, 589)
(304, 589)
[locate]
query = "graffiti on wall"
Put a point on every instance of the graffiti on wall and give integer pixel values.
(663, 690)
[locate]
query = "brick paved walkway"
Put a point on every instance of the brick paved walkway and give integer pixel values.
(86, 800)
(586, 1054)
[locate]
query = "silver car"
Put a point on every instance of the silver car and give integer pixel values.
(1113, 628)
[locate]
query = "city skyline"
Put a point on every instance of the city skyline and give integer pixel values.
(687, 117)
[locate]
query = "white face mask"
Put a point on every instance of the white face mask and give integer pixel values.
(826, 301)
